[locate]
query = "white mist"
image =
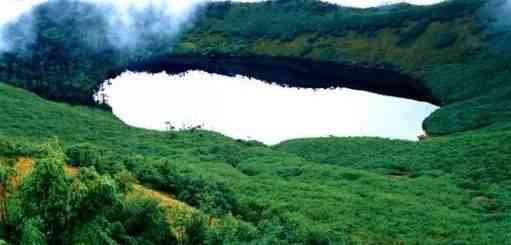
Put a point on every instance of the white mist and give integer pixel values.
(119, 13)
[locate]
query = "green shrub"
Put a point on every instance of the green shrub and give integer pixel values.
(85, 155)
(444, 40)
(230, 230)
(46, 195)
(142, 221)
(413, 33)
(195, 190)
(228, 153)
(95, 232)
(196, 231)
(318, 236)
(14, 148)
(32, 232)
(54, 208)
(291, 18)
(346, 186)
(89, 155)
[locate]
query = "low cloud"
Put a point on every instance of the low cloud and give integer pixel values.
(129, 21)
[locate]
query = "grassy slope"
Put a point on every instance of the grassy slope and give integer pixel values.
(454, 47)
(403, 36)
(367, 191)
(451, 47)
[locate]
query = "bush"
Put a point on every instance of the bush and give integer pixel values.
(32, 232)
(95, 232)
(444, 40)
(196, 231)
(85, 155)
(229, 230)
(13, 148)
(54, 208)
(89, 155)
(413, 33)
(228, 153)
(318, 236)
(197, 191)
(142, 221)
(46, 195)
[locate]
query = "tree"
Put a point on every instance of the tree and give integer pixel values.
(141, 220)
(46, 195)
(6, 174)
(31, 232)
(51, 207)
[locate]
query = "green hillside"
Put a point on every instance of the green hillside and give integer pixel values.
(453, 54)
(318, 191)
(72, 173)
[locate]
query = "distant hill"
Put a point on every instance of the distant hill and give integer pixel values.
(450, 54)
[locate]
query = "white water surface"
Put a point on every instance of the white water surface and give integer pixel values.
(245, 108)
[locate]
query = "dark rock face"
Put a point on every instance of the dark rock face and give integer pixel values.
(293, 72)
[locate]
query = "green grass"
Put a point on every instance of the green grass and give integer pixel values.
(288, 19)
(481, 158)
(451, 190)
(446, 46)
(453, 49)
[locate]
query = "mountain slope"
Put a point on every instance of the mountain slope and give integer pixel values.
(361, 191)
(453, 54)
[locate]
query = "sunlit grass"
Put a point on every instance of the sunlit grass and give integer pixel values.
(363, 190)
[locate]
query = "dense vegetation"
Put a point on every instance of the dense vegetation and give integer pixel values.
(323, 191)
(445, 47)
(453, 189)
(58, 57)
(68, 46)
(449, 46)
(289, 19)
(50, 207)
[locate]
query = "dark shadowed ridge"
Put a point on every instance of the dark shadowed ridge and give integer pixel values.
(291, 72)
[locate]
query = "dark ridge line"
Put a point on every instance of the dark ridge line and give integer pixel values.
(290, 72)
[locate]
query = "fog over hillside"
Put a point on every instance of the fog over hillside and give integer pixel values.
(123, 14)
